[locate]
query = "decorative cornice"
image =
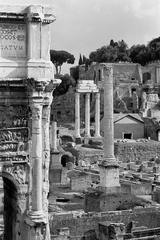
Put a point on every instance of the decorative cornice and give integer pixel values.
(11, 16)
(40, 14)
(32, 13)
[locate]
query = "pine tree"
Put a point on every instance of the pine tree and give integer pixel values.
(84, 59)
(80, 60)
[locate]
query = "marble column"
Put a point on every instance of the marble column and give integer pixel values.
(87, 115)
(97, 115)
(54, 136)
(36, 153)
(109, 168)
(108, 115)
(77, 115)
(45, 133)
(46, 156)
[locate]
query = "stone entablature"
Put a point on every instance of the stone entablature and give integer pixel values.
(24, 42)
(87, 87)
(84, 86)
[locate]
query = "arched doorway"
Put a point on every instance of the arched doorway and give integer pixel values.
(10, 209)
(67, 158)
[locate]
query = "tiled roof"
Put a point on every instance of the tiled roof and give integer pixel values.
(118, 116)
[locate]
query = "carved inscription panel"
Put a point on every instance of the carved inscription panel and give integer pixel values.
(12, 40)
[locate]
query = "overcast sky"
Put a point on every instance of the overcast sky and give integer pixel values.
(83, 26)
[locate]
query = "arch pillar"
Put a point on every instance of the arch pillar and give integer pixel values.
(36, 153)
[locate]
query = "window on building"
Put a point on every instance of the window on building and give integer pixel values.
(146, 77)
(51, 117)
(58, 114)
(128, 135)
(67, 112)
(94, 76)
(91, 96)
(99, 75)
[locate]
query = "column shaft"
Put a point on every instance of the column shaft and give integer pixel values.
(87, 115)
(108, 115)
(46, 143)
(54, 136)
(97, 115)
(77, 115)
(36, 156)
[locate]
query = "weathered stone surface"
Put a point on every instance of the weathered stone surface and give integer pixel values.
(80, 224)
(26, 85)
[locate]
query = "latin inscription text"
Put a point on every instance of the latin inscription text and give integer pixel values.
(12, 40)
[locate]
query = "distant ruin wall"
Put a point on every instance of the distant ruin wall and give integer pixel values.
(79, 225)
(143, 151)
(126, 152)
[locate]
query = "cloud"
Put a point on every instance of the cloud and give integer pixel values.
(27, 2)
(144, 8)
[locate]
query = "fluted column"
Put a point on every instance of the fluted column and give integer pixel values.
(97, 115)
(77, 115)
(109, 168)
(45, 132)
(87, 115)
(36, 153)
(108, 115)
(54, 136)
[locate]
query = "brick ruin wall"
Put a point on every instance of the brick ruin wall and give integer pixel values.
(127, 152)
(79, 225)
(133, 151)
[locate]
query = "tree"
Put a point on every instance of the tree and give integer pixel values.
(63, 87)
(114, 52)
(75, 73)
(60, 57)
(154, 48)
(80, 62)
(144, 54)
(140, 54)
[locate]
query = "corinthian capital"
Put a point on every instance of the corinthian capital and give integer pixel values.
(36, 107)
(107, 69)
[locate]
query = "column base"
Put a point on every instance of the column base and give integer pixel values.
(109, 162)
(36, 217)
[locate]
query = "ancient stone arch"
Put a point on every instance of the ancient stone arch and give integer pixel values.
(26, 86)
